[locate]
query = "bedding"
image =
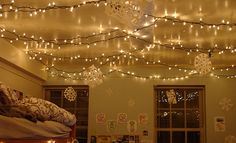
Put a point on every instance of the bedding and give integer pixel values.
(32, 108)
(47, 111)
(33, 120)
(14, 128)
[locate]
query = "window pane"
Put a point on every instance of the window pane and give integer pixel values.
(192, 99)
(179, 93)
(163, 100)
(82, 102)
(192, 118)
(55, 97)
(67, 103)
(163, 137)
(178, 137)
(177, 118)
(163, 119)
(193, 137)
(82, 117)
(81, 135)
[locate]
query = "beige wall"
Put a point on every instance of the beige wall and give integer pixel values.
(20, 59)
(16, 79)
(112, 96)
(18, 72)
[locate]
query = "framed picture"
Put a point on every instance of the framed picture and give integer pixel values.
(100, 118)
(132, 126)
(142, 119)
(219, 124)
(104, 139)
(122, 118)
(93, 139)
(111, 125)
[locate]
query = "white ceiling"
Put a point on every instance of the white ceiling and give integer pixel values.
(181, 31)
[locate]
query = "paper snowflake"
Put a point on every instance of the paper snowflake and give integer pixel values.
(230, 139)
(93, 76)
(131, 102)
(128, 11)
(70, 94)
(226, 104)
(202, 64)
(171, 96)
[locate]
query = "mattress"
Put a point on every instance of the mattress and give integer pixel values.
(15, 128)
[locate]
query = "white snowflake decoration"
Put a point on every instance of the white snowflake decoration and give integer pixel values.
(171, 96)
(226, 104)
(128, 11)
(230, 139)
(202, 64)
(131, 102)
(70, 94)
(93, 76)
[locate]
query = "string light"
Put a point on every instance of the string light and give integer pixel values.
(63, 42)
(78, 40)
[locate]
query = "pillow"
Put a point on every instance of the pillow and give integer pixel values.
(9, 94)
(47, 111)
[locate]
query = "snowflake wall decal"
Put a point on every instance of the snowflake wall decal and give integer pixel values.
(70, 94)
(93, 76)
(226, 104)
(230, 139)
(202, 64)
(131, 102)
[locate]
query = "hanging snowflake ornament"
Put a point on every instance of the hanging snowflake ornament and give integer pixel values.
(70, 94)
(128, 11)
(93, 76)
(230, 139)
(226, 104)
(171, 96)
(202, 64)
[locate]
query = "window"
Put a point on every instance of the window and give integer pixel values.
(79, 107)
(179, 113)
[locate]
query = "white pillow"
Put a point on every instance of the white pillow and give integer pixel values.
(9, 93)
(45, 110)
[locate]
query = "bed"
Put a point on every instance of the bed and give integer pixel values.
(33, 120)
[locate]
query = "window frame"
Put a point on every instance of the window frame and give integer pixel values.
(48, 88)
(202, 108)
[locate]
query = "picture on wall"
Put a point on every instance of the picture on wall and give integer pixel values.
(111, 125)
(142, 119)
(104, 139)
(122, 118)
(132, 126)
(219, 124)
(100, 118)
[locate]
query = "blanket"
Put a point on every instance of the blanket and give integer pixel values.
(32, 108)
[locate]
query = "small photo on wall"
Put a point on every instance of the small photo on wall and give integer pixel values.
(100, 118)
(143, 119)
(219, 124)
(111, 125)
(122, 118)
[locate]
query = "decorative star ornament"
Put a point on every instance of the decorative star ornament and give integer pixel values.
(70, 94)
(202, 64)
(93, 76)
